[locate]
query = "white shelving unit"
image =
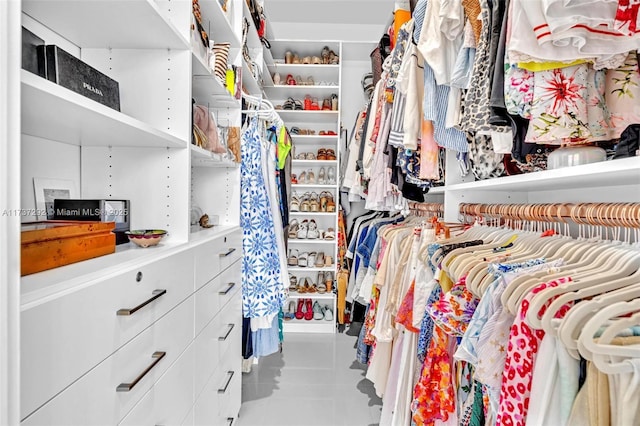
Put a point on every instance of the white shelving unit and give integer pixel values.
(608, 181)
(316, 120)
(142, 153)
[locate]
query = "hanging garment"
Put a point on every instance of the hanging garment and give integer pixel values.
(263, 293)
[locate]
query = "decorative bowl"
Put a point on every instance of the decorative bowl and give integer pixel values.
(146, 237)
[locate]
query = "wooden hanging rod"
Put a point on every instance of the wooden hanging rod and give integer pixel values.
(625, 215)
(426, 207)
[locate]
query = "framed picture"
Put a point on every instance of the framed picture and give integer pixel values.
(46, 190)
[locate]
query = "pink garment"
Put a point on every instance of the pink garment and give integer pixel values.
(521, 356)
(429, 166)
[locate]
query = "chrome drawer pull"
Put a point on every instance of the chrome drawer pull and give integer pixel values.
(224, 389)
(130, 311)
(126, 387)
(230, 421)
(224, 292)
(227, 253)
(223, 338)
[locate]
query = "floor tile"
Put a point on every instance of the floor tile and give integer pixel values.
(314, 381)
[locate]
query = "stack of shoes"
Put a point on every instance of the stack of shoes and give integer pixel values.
(308, 310)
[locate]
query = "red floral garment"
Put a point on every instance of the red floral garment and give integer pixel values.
(521, 355)
(370, 320)
(627, 17)
(405, 311)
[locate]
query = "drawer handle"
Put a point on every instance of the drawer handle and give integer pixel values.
(224, 389)
(223, 338)
(230, 421)
(130, 311)
(126, 387)
(230, 286)
(231, 250)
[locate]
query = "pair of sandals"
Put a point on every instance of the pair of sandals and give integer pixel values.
(298, 131)
(329, 56)
(292, 105)
(326, 154)
(305, 156)
(305, 230)
(327, 203)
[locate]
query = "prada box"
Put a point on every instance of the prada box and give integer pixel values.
(32, 53)
(116, 211)
(70, 72)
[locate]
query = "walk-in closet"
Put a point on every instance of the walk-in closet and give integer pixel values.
(320, 213)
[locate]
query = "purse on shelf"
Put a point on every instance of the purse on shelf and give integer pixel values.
(205, 130)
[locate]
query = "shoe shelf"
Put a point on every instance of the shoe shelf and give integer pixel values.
(311, 326)
(283, 91)
(314, 162)
(311, 269)
(314, 139)
(307, 116)
(314, 185)
(54, 112)
(315, 296)
(328, 214)
(132, 24)
(311, 241)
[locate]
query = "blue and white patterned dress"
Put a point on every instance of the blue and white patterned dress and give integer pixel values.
(263, 293)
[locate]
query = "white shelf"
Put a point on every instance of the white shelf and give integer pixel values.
(308, 116)
(607, 173)
(302, 269)
(132, 24)
(248, 81)
(312, 326)
(312, 185)
(314, 139)
(283, 91)
(311, 241)
(203, 158)
(312, 214)
(54, 112)
(436, 190)
(315, 296)
(314, 162)
(216, 23)
(207, 89)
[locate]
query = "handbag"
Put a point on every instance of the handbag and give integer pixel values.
(204, 123)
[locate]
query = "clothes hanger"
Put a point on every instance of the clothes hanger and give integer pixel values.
(574, 320)
(626, 271)
(588, 347)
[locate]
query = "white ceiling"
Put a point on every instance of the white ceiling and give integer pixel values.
(345, 20)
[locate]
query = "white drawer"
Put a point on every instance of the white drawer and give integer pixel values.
(231, 321)
(94, 398)
(216, 256)
(216, 294)
(221, 339)
(169, 401)
(232, 249)
(219, 403)
(64, 338)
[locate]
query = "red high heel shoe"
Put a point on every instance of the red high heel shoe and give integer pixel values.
(308, 315)
(299, 313)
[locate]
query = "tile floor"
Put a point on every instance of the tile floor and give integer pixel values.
(315, 381)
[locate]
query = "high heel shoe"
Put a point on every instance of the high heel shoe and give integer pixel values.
(276, 79)
(299, 313)
(308, 315)
(334, 102)
(311, 177)
(290, 313)
(317, 311)
(322, 176)
(331, 176)
(328, 313)
(328, 280)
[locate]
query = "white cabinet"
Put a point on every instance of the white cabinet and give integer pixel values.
(133, 316)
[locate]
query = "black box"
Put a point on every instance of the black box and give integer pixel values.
(70, 72)
(32, 56)
(117, 211)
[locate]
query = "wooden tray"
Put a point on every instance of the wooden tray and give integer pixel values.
(49, 244)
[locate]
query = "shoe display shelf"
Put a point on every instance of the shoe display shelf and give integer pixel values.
(312, 130)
